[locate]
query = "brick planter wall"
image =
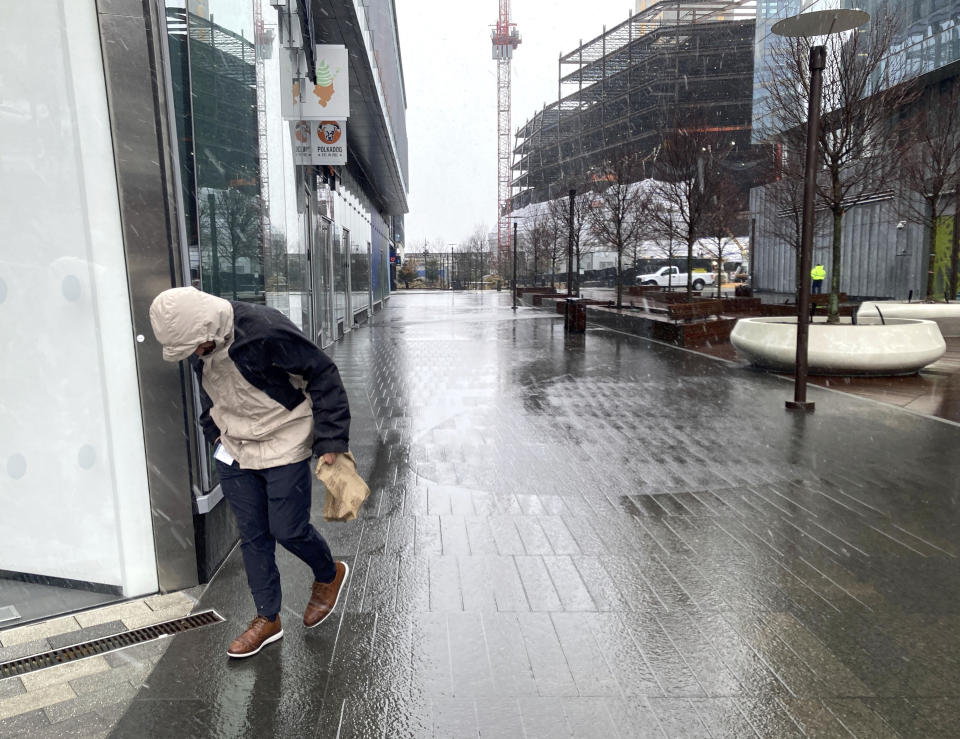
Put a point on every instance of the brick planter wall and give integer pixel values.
(694, 333)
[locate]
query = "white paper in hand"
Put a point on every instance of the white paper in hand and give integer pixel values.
(223, 455)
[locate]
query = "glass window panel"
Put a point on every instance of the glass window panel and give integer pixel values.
(340, 238)
(359, 275)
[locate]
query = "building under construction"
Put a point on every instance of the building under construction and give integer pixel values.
(617, 94)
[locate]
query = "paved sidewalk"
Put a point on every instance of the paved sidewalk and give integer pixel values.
(595, 538)
(84, 698)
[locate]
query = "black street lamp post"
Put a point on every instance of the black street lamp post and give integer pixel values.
(810, 25)
(818, 56)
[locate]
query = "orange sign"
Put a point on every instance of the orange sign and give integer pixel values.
(329, 132)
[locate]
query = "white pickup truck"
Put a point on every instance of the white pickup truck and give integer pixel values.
(672, 276)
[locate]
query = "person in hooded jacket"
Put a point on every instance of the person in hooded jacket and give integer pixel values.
(271, 399)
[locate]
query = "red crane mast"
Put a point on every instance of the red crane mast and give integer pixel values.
(505, 38)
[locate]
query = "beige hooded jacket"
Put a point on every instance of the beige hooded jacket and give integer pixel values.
(270, 395)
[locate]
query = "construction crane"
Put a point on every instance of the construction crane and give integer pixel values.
(263, 38)
(505, 38)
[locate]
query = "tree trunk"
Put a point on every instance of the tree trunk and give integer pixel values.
(619, 278)
(576, 276)
(719, 271)
(834, 314)
(932, 252)
(796, 278)
(689, 268)
(233, 268)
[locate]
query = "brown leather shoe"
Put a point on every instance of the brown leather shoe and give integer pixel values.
(259, 633)
(324, 596)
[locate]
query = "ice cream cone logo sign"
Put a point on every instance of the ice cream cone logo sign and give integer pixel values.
(325, 99)
(324, 89)
(321, 96)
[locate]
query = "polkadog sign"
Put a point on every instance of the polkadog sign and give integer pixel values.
(319, 142)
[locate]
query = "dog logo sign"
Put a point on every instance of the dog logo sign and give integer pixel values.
(329, 132)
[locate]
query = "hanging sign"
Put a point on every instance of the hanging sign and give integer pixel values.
(319, 142)
(301, 133)
(329, 142)
(329, 98)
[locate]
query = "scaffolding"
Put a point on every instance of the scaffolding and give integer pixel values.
(617, 93)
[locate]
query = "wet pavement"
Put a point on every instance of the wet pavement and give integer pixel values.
(597, 537)
(934, 391)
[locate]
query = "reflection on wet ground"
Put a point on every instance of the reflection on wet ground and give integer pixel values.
(593, 538)
(935, 391)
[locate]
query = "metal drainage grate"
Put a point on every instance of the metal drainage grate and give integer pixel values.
(107, 644)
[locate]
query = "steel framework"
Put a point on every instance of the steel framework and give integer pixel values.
(617, 93)
(262, 41)
(505, 38)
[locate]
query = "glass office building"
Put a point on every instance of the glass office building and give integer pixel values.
(142, 147)
(884, 255)
(930, 37)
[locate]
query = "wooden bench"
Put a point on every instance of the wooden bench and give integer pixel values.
(824, 298)
(698, 309)
(642, 289)
(741, 305)
(671, 297)
(562, 304)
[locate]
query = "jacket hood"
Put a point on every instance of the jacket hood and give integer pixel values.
(184, 317)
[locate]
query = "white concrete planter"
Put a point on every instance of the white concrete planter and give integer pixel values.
(946, 315)
(901, 347)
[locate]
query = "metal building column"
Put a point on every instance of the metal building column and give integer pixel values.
(134, 50)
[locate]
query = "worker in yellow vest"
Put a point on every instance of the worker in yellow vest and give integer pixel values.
(818, 274)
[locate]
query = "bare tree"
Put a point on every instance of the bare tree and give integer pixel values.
(476, 247)
(861, 91)
(537, 233)
(231, 220)
(689, 173)
(670, 249)
(929, 156)
(722, 219)
(617, 218)
(785, 221)
(557, 217)
(407, 273)
(276, 270)
(560, 210)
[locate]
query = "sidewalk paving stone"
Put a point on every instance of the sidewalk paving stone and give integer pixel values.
(34, 632)
(43, 697)
(599, 536)
(64, 673)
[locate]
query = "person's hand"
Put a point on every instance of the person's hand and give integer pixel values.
(329, 457)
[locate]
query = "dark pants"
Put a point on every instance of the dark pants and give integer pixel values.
(273, 505)
(817, 287)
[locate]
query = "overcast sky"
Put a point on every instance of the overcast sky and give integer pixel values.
(451, 83)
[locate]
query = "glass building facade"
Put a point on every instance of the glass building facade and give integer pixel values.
(929, 39)
(142, 147)
(883, 255)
